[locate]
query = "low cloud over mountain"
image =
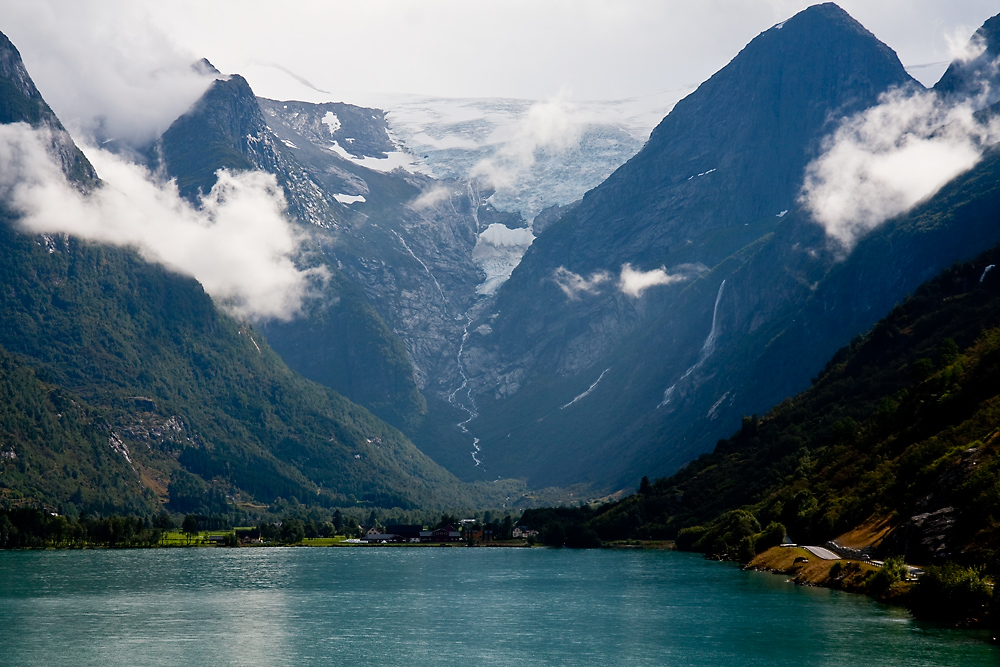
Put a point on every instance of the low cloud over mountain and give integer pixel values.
(237, 243)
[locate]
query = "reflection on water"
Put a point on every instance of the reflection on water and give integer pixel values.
(394, 606)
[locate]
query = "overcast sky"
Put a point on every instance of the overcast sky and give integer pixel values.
(594, 49)
(85, 54)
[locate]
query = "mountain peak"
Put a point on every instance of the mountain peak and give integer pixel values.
(206, 68)
(12, 70)
(221, 130)
(755, 123)
(974, 75)
(20, 102)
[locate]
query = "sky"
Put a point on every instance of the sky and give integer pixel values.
(533, 49)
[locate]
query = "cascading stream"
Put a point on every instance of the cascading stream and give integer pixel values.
(706, 350)
(453, 397)
(444, 299)
(589, 389)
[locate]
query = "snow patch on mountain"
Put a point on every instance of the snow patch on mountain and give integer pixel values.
(332, 122)
(349, 199)
(393, 160)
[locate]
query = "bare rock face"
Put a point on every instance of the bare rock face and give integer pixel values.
(924, 538)
(398, 244)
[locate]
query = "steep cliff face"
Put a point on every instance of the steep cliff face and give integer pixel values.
(225, 129)
(341, 341)
(706, 198)
(405, 238)
(733, 151)
(714, 176)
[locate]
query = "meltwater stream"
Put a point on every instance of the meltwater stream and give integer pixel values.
(453, 396)
(442, 606)
(707, 348)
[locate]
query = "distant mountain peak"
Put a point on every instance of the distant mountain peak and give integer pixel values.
(12, 69)
(220, 130)
(205, 68)
(975, 74)
(20, 102)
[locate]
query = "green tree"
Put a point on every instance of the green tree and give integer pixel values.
(8, 533)
(644, 486)
(893, 571)
(951, 593)
(506, 528)
(292, 531)
(771, 536)
(948, 352)
(190, 526)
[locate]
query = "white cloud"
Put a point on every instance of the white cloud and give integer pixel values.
(554, 125)
(431, 197)
(634, 283)
(573, 284)
(885, 160)
(238, 244)
(105, 66)
(963, 48)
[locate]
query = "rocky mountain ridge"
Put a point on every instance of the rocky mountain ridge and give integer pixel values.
(575, 374)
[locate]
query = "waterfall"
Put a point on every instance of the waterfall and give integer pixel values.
(706, 349)
(589, 389)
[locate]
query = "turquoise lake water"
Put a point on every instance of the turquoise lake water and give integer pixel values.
(399, 606)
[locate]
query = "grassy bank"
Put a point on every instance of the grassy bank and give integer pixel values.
(808, 570)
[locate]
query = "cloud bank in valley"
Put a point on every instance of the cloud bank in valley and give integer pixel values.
(883, 161)
(238, 244)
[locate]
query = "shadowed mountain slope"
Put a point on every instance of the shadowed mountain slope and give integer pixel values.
(569, 370)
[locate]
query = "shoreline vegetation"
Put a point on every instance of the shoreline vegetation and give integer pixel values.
(40, 529)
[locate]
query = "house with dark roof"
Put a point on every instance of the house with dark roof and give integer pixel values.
(405, 533)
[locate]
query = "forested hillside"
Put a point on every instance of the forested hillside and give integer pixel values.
(900, 430)
(125, 386)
